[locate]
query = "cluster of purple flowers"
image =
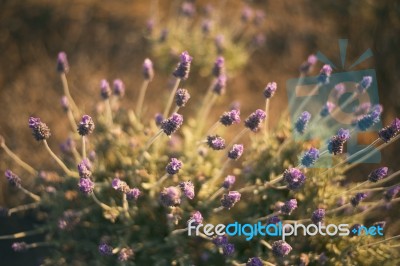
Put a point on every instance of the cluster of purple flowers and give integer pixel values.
(280, 248)
(227, 248)
(39, 129)
(230, 199)
(235, 152)
(122, 186)
(294, 177)
(182, 96)
(230, 118)
(86, 126)
(336, 143)
(318, 216)
(310, 157)
(355, 201)
(254, 120)
(183, 68)
(289, 206)
(389, 132)
(172, 124)
(173, 166)
(215, 142)
(378, 174)
(229, 181)
(13, 179)
(302, 122)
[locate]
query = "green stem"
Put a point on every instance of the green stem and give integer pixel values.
(21, 163)
(171, 98)
(139, 104)
(60, 163)
(24, 234)
(67, 93)
(30, 194)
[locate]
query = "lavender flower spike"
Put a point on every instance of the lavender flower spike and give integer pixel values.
(170, 196)
(391, 193)
(336, 143)
(318, 216)
(270, 90)
(183, 68)
(19, 246)
(254, 120)
(173, 166)
(378, 174)
(86, 126)
(62, 63)
(389, 132)
(187, 189)
(182, 96)
(324, 74)
(229, 181)
(197, 218)
(230, 118)
(364, 84)
(133, 194)
(294, 177)
(289, 206)
(105, 90)
(148, 71)
(280, 248)
(105, 250)
(370, 119)
(86, 186)
(310, 157)
(172, 124)
(307, 66)
(216, 142)
(220, 84)
(255, 261)
(125, 254)
(235, 152)
(118, 87)
(302, 122)
(228, 249)
(12, 179)
(327, 109)
(357, 199)
(40, 130)
(219, 67)
(230, 199)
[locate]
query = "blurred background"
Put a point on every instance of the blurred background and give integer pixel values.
(110, 39)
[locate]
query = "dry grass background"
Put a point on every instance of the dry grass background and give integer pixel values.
(104, 39)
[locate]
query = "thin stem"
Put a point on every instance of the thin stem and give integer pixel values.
(218, 209)
(21, 163)
(237, 138)
(30, 194)
(265, 243)
(83, 147)
(23, 207)
(109, 112)
(267, 116)
(179, 231)
(66, 92)
(212, 128)
(125, 205)
(176, 109)
(151, 141)
(71, 120)
(216, 194)
(139, 104)
(60, 163)
(336, 110)
(344, 206)
(305, 102)
(24, 234)
(101, 204)
(378, 242)
(347, 191)
(76, 154)
(171, 98)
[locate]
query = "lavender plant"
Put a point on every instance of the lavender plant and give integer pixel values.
(116, 203)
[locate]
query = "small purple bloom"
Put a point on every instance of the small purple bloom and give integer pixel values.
(273, 220)
(302, 122)
(170, 196)
(40, 130)
(182, 96)
(336, 143)
(364, 84)
(183, 68)
(216, 142)
(324, 74)
(125, 254)
(310, 157)
(294, 177)
(378, 174)
(230, 118)
(19, 246)
(230, 199)
(327, 109)
(86, 186)
(255, 261)
(219, 85)
(172, 124)
(357, 199)
(280, 248)
(270, 90)
(289, 206)
(206, 26)
(158, 118)
(306, 66)
(220, 240)
(228, 249)
(187, 188)
(105, 250)
(246, 15)
(391, 193)
(84, 168)
(339, 90)
(219, 67)
(229, 181)
(120, 185)
(133, 194)
(389, 132)
(370, 119)
(119, 87)
(105, 90)
(343, 134)
(197, 218)
(12, 179)
(254, 120)
(64, 103)
(318, 216)
(362, 109)
(173, 166)
(147, 69)
(188, 9)
(62, 63)
(86, 126)
(235, 152)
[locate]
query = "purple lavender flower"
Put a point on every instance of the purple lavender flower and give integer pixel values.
(182, 96)
(339, 90)
(206, 26)
(370, 119)
(197, 218)
(322, 259)
(19, 246)
(273, 220)
(357, 199)
(220, 240)
(289, 206)
(69, 220)
(219, 67)
(105, 250)
(364, 84)
(255, 261)
(173, 166)
(324, 74)
(86, 126)
(327, 109)
(150, 26)
(254, 120)
(270, 90)
(188, 9)
(318, 216)
(294, 177)
(216, 142)
(147, 69)
(280, 248)
(230, 118)
(158, 118)
(12, 179)
(219, 85)
(133, 194)
(391, 193)
(246, 15)
(120, 185)
(228, 249)
(68, 145)
(336, 143)
(105, 90)
(230, 199)
(172, 124)
(187, 188)
(40, 130)
(119, 87)
(183, 68)
(302, 122)
(170, 196)
(86, 186)
(125, 254)
(229, 181)
(310, 157)
(362, 109)
(389, 132)
(62, 63)
(306, 66)
(64, 103)
(84, 168)
(343, 134)
(235, 152)
(378, 174)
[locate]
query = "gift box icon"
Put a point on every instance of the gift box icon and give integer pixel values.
(335, 104)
